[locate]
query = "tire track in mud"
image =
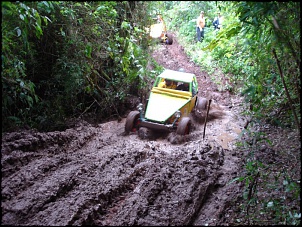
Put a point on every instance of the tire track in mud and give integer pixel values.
(106, 178)
(224, 127)
(97, 175)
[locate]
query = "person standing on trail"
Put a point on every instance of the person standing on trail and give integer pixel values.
(159, 18)
(201, 22)
(217, 22)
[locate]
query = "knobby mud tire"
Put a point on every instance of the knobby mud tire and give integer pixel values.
(131, 124)
(201, 104)
(169, 40)
(184, 126)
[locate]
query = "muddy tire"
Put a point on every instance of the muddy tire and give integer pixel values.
(132, 122)
(184, 126)
(169, 39)
(201, 104)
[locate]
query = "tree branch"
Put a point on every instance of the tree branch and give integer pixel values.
(286, 90)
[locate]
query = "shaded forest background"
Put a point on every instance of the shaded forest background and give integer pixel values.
(63, 59)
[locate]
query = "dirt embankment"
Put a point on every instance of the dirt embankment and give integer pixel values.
(95, 174)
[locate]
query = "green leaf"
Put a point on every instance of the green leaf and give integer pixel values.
(46, 19)
(22, 16)
(62, 32)
(125, 25)
(15, 119)
(18, 31)
(88, 89)
(39, 31)
(237, 179)
(36, 98)
(100, 8)
(250, 90)
(270, 204)
(29, 100)
(38, 18)
(88, 50)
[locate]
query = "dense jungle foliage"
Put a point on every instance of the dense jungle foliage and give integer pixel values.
(257, 48)
(62, 59)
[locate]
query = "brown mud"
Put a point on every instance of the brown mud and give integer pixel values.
(98, 175)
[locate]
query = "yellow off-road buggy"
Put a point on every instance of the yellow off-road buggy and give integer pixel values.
(159, 31)
(168, 109)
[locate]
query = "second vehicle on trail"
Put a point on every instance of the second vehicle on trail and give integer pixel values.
(173, 97)
(158, 30)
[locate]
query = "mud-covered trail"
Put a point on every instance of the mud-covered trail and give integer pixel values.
(98, 175)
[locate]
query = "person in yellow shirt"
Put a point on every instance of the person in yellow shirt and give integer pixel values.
(200, 24)
(167, 84)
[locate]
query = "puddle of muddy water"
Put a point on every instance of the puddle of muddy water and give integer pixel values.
(224, 130)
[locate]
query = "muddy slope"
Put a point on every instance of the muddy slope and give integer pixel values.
(96, 174)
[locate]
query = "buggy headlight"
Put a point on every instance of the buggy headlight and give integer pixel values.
(177, 114)
(140, 107)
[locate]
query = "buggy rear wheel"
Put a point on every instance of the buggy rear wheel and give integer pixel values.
(201, 104)
(169, 39)
(184, 126)
(132, 122)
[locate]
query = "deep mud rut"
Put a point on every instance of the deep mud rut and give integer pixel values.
(98, 175)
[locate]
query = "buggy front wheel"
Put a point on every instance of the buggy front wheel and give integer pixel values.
(132, 122)
(184, 126)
